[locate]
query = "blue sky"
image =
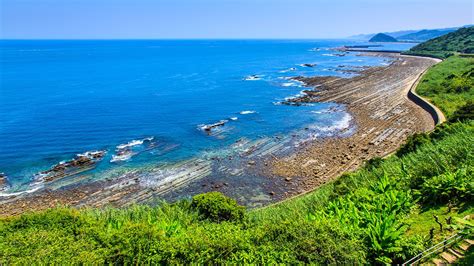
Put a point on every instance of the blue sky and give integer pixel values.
(123, 19)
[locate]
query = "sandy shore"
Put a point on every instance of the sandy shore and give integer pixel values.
(377, 100)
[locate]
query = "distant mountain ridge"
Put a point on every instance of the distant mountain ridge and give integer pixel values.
(460, 41)
(394, 34)
(411, 35)
(424, 35)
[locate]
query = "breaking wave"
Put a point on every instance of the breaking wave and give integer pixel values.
(247, 112)
(133, 143)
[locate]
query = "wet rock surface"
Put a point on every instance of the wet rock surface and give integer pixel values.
(82, 162)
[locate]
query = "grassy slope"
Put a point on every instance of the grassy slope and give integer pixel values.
(449, 84)
(382, 212)
(424, 161)
(460, 41)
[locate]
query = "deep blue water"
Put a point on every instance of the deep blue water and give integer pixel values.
(60, 98)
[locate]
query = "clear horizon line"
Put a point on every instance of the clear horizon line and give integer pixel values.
(164, 39)
(161, 39)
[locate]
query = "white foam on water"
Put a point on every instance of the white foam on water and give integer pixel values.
(339, 125)
(134, 143)
(234, 118)
(88, 154)
(292, 83)
(300, 94)
(20, 192)
(308, 139)
(247, 112)
(325, 111)
(289, 84)
(210, 126)
(287, 70)
(130, 144)
(122, 157)
(253, 77)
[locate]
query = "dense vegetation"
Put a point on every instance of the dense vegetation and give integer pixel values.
(460, 41)
(450, 85)
(386, 212)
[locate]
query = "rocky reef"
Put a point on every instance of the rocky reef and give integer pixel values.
(81, 162)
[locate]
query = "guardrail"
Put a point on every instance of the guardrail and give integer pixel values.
(441, 245)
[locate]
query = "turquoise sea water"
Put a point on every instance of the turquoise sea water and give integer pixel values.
(61, 98)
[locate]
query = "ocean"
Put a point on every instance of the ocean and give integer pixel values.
(152, 103)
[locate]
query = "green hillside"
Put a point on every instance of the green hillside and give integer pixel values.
(450, 84)
(460, 41)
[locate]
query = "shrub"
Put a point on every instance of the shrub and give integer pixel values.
(216, 207)
(410, 247)
(412, 143)
(457, 186)
(465, 112)
(342, 186)
(320, 241)
(373, 163)
(458, 85)
(375, 211)
(54, 236)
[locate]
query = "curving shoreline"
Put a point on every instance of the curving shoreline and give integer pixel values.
(410, 94)
(384, 115)
(375, 93)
